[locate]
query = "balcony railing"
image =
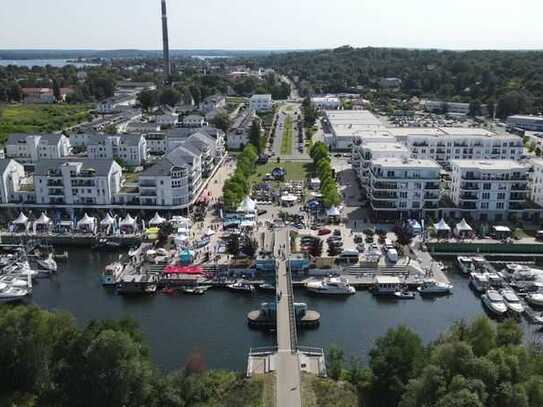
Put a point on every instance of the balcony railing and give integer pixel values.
(383, 205)
(469, 186)
(518, 197)
(431, 185)
(469, 196)
(468, 205)
(384, 195)
(519, 187)
(380, 185)
(53, 183)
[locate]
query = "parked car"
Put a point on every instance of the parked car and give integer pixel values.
(324, 231)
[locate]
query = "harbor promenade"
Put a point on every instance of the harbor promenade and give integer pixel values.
(288, 366)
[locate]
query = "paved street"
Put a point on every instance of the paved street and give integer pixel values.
(288, 369)
(288, 109)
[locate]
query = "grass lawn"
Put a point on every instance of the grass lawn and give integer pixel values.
(295, 171)
(286, 142)
(40, 118)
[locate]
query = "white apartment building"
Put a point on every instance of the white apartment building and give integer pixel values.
(489, 190)
(365, 153)
(343, 127)
(79, 183)
(261, 103)
(328, 102)
(11, 176)
(167, 120)
(454, 143)
(526, 122)
(34, 147)
(402, 188)
(173, 181)
(212, 103)
(132, 149)
(194, 120)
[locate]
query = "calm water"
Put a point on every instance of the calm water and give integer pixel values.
(42, 62)
(214, 325)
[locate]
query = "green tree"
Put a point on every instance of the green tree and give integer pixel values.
(169, 96)
(56, 90)
(255, 136)
(509, 333)
(335, 362)
(147, 99)
(222, 121)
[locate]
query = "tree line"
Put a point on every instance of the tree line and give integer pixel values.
(471, 365)
(511, 81)
(323, 168)
(47, 361)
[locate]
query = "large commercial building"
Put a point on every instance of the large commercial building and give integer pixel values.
(534, 123)
(343, 127)
(489, 190)
(401, 188)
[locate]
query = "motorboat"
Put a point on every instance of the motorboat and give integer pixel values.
(267, 287)
(535, 299)
(465, 264)
(513, 267)
(512, 301)
(534, 317)
(480, 282)
(106, 244)
(495, 280)
(48, 264)
(111, 273)
(9, 293)
(494, 302)
(16, 281)
(405, 295)
(196, 290)
(241, 287)
(433, 287)
(331, 286)
(21, 270)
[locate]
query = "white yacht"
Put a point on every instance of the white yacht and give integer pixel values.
(242, 287)
(16, 281)
(494, 302)
(331, 286)
(48, 264)
(111, 273)
(465, 264)
(512, 301)
(535, 299)
(480, 282)
(433, 287)
(10, 294)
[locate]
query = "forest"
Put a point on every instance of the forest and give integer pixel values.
(510, 81)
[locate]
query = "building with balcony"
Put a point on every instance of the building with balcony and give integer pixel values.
(404, 188)
(131, 149)
(364, 153)
(78, 183)
(489, 190)
(34, 147)
(453, 143)
(193, 121)
(536, 182)
(12, 174)
(526, 122)
(342, 128)
(261, 103)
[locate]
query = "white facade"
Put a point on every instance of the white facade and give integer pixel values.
(212, 103)
(454, 143)
(11, 176)
(489, 189)
(77, 183)
(261, 103)
(34, 147)
(193, 120)
(536, 184)
(450, 107)
(167, 120)
(534, 123)
(132, 149)
(343, 127)
(328, 102)
(404, 188)
(365, 153)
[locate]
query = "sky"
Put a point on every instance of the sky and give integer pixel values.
(275, 24)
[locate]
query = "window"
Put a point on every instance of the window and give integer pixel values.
(487, 186)
(403, 204)
(484, 205)
(486, 195)
(500, 205)
(501, 196)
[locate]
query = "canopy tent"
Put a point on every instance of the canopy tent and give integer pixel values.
(108, 220)
(43, 223)
(64, 226)
(442, 229)
(501, 232)
(22, 219)
(128, 224)
(152, 233)
(462, 229)
(182, 231)
(333, 211)
(288, 199)
(186, 256)
(180, 221)
(86, 224)
(157, 220)
(247, 205)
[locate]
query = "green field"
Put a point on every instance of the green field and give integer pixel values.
(286, 142)
(40, 118)
(296, 171)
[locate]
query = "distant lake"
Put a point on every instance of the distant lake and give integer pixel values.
(42, 62)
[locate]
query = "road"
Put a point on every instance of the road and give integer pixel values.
(288, 368)
(288, 109)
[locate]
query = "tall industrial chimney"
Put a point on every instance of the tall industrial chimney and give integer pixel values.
(166, 45)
